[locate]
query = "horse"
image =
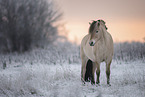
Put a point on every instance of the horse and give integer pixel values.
(96, 47)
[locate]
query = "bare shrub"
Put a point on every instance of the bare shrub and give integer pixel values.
(25, 23)
(129, 51)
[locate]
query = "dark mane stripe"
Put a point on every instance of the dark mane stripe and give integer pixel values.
(104, 23)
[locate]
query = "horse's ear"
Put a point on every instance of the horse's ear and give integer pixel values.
(90, 23)
(99, 22)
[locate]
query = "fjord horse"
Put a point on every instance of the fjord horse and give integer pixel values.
(96, 47)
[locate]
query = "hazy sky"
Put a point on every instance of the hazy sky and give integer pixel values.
(125, 19)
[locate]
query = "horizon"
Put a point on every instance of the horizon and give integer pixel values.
(125, 19)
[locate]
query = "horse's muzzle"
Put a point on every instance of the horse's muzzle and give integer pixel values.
(91, 43)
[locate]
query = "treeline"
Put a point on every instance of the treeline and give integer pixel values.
(129, 51)
(68, 53)
(27, 23)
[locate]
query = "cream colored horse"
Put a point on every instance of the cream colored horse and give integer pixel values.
(98, 47)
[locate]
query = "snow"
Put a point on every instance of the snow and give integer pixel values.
(63, 80)
(55, 72)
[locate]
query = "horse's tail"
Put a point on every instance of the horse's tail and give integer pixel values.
(89, 73)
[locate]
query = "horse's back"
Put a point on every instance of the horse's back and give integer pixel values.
(83, 43)
(109, 42)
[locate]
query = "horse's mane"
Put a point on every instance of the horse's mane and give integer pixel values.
(92, 26)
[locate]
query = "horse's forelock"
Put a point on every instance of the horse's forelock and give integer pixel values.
(92, 26)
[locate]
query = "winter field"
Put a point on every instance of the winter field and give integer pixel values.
(55, 72)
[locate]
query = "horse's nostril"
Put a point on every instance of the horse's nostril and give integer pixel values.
(91, 43)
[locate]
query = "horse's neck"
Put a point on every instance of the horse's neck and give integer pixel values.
(104, 33)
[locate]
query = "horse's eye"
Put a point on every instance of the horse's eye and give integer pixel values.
(96, 31)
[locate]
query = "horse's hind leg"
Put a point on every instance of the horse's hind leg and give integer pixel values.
(108, 72)
(83, 69)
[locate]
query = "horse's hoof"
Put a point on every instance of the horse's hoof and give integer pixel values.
(93, 83)
(108, 85)
(97, 85)
(83, 84)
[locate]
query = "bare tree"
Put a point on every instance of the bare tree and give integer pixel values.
(24, 23)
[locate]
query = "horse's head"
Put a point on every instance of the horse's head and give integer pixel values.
(96, 31)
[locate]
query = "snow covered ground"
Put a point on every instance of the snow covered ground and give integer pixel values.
(63, 80)
(55, 72)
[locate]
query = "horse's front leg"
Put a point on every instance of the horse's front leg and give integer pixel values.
(108, 72)
(98, 73)
(93, 74)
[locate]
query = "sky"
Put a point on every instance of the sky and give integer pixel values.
(125, 19)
